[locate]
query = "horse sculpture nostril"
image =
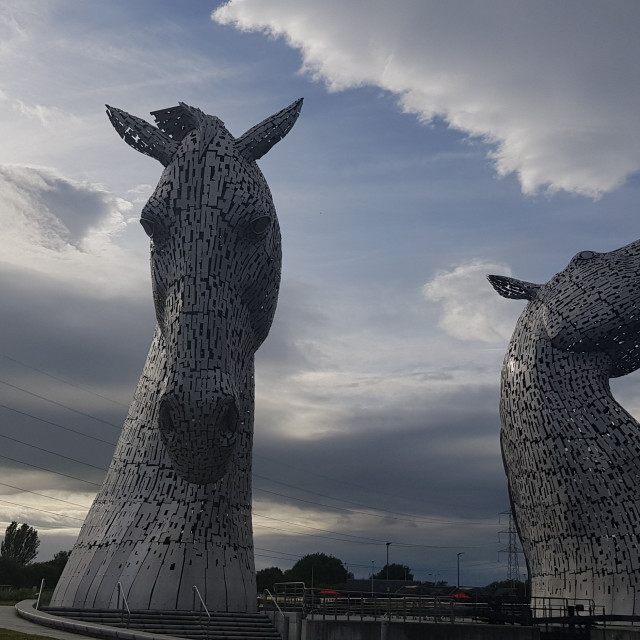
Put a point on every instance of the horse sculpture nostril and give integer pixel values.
(164, 418)
(230, 418)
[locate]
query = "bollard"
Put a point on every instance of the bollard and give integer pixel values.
(384, 630)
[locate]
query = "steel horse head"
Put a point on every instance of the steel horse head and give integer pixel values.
(590, 306)
(173, 514)
(570, 450)
(215, 265)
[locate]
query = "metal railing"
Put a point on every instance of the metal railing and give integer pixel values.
(549, 607)
(196, 592)
(269, 595)
(125, 605)
(284, 628)
(314, 604)
(40, 593)
(554, 613)
(572, 613)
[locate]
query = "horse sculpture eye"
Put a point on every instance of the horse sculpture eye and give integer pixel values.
(148, 226)
(259, 226)
(586, 255)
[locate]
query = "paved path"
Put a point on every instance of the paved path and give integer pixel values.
(9, 619)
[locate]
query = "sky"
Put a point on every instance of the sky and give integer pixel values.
(438, 142)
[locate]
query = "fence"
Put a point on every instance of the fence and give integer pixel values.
(326, 604)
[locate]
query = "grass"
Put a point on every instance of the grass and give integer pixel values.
(11, 596)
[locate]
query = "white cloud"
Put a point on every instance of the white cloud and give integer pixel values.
(551, 86)
(471, 310)
(64, 229)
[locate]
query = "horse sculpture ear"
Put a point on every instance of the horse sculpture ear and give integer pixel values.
(514, 289)
(259, 139)
(142, 136)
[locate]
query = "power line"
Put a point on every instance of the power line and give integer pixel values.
(59, 426)
(71, 384)
(375, 515)
(53, 453)
(362, 539)
(42, 495)
(60, 515)
(283, 553)
(282, 495)
(64, 406)
(309, 535)
(28, 464)
(306, 471)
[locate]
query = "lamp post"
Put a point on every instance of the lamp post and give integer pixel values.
(459, 554)
(388, 545)
(372, 578)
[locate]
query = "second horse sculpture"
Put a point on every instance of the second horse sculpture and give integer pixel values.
(571, 452)
(175, 508)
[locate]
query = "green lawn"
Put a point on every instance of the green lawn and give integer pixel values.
(13, 596)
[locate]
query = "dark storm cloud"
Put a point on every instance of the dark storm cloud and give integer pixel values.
(436, 458)
(80, 337)
(69, 364)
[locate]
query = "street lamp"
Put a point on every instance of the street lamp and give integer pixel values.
(459, 554)
(388, 544)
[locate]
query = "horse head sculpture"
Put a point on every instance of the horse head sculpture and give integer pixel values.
(570, 450)
(591, 306)
(215, 267)
(174, 512)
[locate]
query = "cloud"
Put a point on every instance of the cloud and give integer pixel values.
(550, 87)
(65, 229)
(54, 211)
(470, 309)
(439, 456)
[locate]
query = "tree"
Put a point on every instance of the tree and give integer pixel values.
(60, 559)
(319, 570)
(51, 570)
(509, 590)
(396, 572)
(20, 544)
(266, 578)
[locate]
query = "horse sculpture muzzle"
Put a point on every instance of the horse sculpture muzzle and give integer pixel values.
(206, 426)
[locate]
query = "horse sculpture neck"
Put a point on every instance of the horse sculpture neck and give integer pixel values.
(177, 534)
(572, 381)
(174, 511)
(570, 450)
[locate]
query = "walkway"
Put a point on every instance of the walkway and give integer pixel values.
(9, 619)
